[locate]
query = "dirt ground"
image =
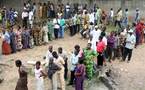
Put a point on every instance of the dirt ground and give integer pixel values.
(131, 75)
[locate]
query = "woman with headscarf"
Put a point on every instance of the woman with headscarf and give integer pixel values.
(6, 48)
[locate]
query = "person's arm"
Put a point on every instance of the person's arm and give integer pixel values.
(43, 74)
(62, 61)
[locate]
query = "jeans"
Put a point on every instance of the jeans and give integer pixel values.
(127, 52)
(61, 32)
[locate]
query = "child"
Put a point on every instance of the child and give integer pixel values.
(39, 74)
(79, 75)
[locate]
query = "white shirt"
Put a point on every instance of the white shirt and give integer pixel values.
(74, 60)
(15, 14)
(111, 13)
(130, 41)
(91, 17)
(48, 56)
(55, 22)
(104, 40)
(38, 73)
(24, 14)
(95, 34)
(30, 15)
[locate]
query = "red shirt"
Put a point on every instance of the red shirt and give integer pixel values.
(100, 47)
(139, 27)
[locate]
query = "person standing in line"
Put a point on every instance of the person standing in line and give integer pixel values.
(13, 40)
(79, 75)
(50, 29)
(130, 43)
(100, 50)
(45, 33)
(62, 27)
(119, 18)
(31, 19)
(19, 38)
(111, 16)
(110, 45)
(89, 55)
(25, 38)
(39, 74)
(6, 48)
(22, 81)
(62, 53)
(74, 60)
(60, 74)
(25, 18)
(95, 33)
(125, 20)
(137, 15)
(48, 55)
(56, 27)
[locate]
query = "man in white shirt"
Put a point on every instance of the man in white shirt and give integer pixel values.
(56, 27)
(111, 15)
(130, 44)
(31, 18)
(91, 17)
(48, 55)
(95, 34)
(25, 18)
(74, 60)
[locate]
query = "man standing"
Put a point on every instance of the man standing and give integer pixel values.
(48, 54)
(60, 74)
(130, 43)
(63, 54)
(50, 29)
(25, 18)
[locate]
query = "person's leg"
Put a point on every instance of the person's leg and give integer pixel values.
(71, 30)
(66, 69)
(62, 81)
(82, 84)
(54, 81)
(78, 83)
(72, 78)
(109, 53)
(62, 32)
(119, 24)
(125, 54)
(56, 33)
(129, 54)
(114, 53)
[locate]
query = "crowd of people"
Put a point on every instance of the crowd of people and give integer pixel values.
(45, 22)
